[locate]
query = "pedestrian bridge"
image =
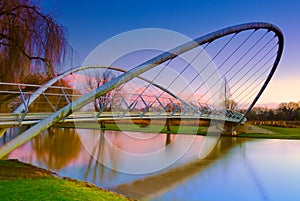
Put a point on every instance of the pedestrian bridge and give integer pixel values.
(217, 77)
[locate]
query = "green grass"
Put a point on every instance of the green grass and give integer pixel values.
(280, 133)
(50, 189)
(157, 129)
(200, 130)
(40, 184)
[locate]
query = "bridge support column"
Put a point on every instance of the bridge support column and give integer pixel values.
(168, 124)
(229, 128)
(101, 123)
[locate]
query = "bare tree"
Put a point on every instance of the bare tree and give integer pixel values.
(31, 42)
(230, 104)
(98, 78)
(104, 101)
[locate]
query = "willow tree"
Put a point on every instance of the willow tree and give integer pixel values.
(31, 42)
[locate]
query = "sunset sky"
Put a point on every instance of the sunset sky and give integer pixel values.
(91, 23)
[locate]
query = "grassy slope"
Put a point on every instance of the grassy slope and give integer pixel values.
(20, 181)
(280, 133)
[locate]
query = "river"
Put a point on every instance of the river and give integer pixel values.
(170, 167)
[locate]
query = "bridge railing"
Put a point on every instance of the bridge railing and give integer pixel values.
(14, 94)
(120, 105)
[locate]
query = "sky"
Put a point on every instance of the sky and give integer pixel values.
(91, 22)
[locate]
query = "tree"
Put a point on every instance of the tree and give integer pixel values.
(289, 109)
(104, 102)
(31, 42)
(285, 111)
(230, 104)
(98, 78)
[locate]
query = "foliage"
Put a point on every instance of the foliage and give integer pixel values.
(31, 42)
(285, 111)
(47, 148)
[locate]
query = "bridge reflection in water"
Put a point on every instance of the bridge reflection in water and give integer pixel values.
(236, 169)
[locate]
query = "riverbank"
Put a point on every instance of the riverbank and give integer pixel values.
(22, 181)
(276, 133)
(269, 132)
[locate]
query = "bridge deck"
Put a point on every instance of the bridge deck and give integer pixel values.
(12, 120)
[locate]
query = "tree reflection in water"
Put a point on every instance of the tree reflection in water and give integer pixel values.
(101, 151)
(57, 148)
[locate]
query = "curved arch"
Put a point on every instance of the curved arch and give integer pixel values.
(43, 88)
(39, 91)
(138, 70)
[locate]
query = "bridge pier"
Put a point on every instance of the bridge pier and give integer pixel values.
(229, 128)
(101, 123)
(168, 124)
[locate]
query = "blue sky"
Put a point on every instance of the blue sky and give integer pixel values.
(91, 22)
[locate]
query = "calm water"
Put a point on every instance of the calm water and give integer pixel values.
(207, 169)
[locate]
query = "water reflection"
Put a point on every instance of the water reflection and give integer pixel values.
(99, 150)
(134, 152)
(153, 186)
(51, 148)
(235, 169)
(61, 150)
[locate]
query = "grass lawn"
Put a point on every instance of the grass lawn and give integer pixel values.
(280, 133)
(20, 181)
(200, 130)
(158, 129)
